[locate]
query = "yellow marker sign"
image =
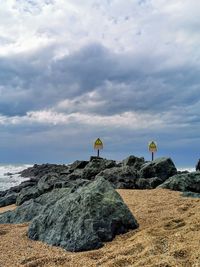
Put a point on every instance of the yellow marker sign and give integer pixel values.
(152, 146)
(98, 144)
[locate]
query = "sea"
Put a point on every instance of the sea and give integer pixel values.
(7, 180)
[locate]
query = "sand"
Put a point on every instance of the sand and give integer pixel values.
(168, 236)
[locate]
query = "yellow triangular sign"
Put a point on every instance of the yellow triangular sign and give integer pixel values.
(98, 144)
(152, 146)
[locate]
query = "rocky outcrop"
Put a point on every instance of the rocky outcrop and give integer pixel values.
(95, 166)
(120, 177)
(33, 207)
(8, 199)
(75, 219)
(83, 220)
(133, 172)
(188, 182)
(150, 183)
(161, 167)
(38, 171)
(134, 162)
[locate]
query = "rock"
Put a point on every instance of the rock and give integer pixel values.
(198, 165)
(191, 194)
(95, 166)
(161, 167)
(78, 164)
(133, 162)
(120, 177)
(39, 171)
(150, 183)
(24, 184)
(8, 174)
(33, 207)
(183, 182)
(8, 199)
(27, 193)
(46, 182)
(83, 220)
(49, 182)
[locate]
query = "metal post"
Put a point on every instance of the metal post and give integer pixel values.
(98, 153)
(152, 155)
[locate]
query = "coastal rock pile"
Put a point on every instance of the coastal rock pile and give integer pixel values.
(75, 220)
(189, 183)
(131, 173)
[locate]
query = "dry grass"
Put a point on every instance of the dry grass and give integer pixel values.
(169, 236)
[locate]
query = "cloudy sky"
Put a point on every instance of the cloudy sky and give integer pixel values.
(125, 71)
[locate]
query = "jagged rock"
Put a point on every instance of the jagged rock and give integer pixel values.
(133, 162)
(95, 166)
(120, 177)
(8, 199)
(161, 167)
(198, 165)
(39, 171)
(83, 220)
(183, 182)
(27, 193)
(150, 183)
(78, 164)
(33, 207)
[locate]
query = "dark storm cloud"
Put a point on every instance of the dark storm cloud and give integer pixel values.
(123, 82)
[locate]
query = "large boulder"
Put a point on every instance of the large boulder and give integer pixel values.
(95, 166)
(8, 199)
(83, 220)
(134, 162)
(33, 207)
(183, 182)
(78, 164)
(161, 167)
(39, 171)
(120, 177)
(150, 183)
(27, 193)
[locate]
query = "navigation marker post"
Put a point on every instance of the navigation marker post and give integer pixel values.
(152, 148)
(98, 144)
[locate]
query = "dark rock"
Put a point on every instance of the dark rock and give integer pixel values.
(120, 177)
(95, 166)
(150, 183)
(133, 162)
(78, 164)
(33, 207)
(19, 187)
(95, 157)
(191, 194)
(8, 174)
(8, 199)
(46, 183)
(161, 167)
(83, 220)
(27, 193)
(198, 165)
(183, 182)
(40, 170)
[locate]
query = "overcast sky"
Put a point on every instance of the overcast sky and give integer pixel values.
(127, 71)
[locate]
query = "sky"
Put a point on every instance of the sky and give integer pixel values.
(125, 71)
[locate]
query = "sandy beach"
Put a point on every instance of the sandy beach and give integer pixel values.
(168, 236)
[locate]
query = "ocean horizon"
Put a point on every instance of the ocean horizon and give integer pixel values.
(7, 180)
